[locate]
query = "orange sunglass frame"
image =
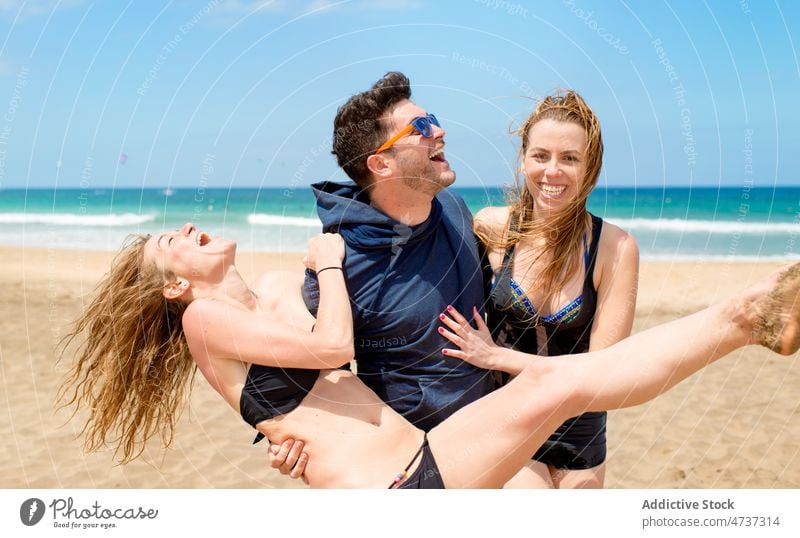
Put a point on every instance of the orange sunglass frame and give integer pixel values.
(421, 124)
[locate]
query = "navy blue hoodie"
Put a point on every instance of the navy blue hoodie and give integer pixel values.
(400, 278)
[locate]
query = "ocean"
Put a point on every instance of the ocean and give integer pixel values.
(673, 223)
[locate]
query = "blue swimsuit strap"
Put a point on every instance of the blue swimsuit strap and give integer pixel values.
(564, 314)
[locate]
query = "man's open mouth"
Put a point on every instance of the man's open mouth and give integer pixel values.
(438, 155)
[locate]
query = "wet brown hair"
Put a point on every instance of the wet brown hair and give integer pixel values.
(562, 233)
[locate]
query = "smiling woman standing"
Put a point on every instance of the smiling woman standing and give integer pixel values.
(564, 282)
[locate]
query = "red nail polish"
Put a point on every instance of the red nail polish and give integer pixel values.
(449, 308)
(444, 352)
(441, 317)
(441, 330)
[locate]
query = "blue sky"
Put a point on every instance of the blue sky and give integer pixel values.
(236, 93)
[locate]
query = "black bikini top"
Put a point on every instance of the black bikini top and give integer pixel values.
(269, 392)
(513, 320)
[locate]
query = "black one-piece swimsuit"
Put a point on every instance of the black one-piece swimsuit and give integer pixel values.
(579, 443)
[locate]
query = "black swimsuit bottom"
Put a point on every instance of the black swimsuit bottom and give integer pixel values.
(427, 475)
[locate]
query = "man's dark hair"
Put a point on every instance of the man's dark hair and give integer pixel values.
(357, 130)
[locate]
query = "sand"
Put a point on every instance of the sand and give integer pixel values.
(734, 425)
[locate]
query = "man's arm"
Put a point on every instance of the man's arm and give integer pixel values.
(289, 458)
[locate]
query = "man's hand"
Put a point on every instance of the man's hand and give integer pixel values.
(289, 458)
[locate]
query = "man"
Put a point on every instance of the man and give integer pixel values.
(410, 253)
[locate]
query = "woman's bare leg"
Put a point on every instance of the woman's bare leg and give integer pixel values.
(487, 442)
(579, 478)
(535, 475)
(649, 363)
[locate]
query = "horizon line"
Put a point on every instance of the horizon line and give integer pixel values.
(295, 187)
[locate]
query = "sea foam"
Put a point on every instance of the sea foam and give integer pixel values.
(77, 219)
(706, 226)
(267, 219)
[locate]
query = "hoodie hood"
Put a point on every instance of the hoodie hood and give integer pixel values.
(400, 279)
(345, 209)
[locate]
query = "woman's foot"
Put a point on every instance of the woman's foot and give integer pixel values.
(777, 326)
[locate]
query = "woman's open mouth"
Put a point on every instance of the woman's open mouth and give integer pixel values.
(552, 191)
(203, 239)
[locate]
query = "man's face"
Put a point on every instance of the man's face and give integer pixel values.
(419, 162)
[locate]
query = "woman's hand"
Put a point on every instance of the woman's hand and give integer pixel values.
(324, 250)
(476, 344)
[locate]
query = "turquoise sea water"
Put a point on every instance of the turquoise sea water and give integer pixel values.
(672, 223)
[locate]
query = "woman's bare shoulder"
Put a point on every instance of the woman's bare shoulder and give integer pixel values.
(490, 223)
(617, 247)
(615, 239)
(492, 219)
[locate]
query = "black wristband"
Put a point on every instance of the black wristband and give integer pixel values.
(331, 267)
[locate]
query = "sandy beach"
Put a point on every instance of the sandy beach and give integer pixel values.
(734, 425)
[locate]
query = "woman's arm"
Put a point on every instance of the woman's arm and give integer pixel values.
(476, 345)
(490, 224)
(616, 280)
(222, 330)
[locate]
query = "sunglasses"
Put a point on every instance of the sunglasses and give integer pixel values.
(423, 125)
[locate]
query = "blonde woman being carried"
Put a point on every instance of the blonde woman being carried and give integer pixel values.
(175, 301)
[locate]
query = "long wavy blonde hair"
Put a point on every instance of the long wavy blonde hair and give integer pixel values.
(561, 233)
(133, 368)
